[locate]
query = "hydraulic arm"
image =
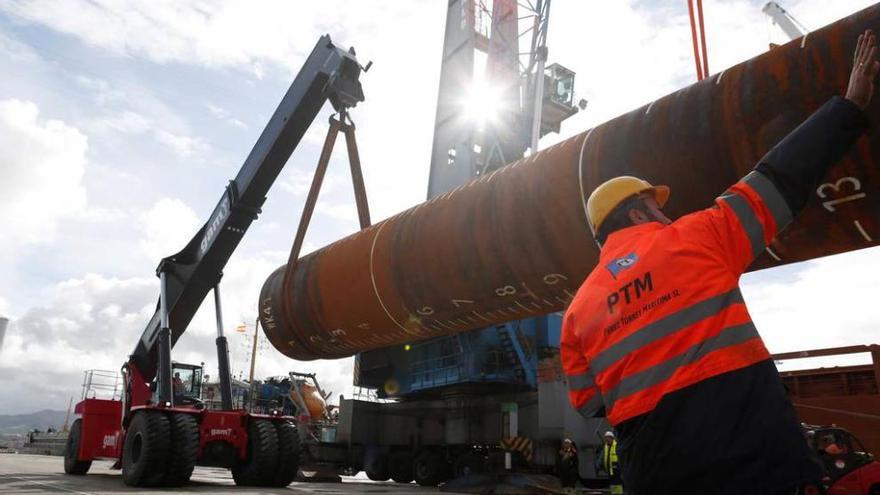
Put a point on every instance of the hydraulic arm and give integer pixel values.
(329, 73)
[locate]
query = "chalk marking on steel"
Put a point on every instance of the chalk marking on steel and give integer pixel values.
(563, 301)
(523, 307)
(804, 40)
(718, 79)
(548, 303)
(581, 178)
(480, 316)
(771, 253)
(501, 312)
(373, 279)
(471, 319)
(568, 293)
(536, 305)
(491, 314)
(651, 105)
(862, 231)
(528, 290)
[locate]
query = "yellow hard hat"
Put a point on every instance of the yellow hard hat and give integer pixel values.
(612, 192)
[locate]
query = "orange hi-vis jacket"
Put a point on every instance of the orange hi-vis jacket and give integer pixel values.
(662, 309)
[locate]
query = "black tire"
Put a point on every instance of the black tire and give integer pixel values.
(377, 470)
(428, 469)
(184, 449)
(288, 454)
(71, 449)
(146, 449)
(400, 467)
(262, 455)
(467, 464)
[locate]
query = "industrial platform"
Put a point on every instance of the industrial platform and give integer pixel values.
(30, 474)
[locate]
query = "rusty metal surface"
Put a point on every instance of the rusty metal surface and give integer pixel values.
(516, 243)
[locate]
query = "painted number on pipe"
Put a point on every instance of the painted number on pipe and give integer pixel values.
(554, 278)
(507, 290)
(837, 187)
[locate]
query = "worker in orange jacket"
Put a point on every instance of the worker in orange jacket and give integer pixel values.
(658, 338)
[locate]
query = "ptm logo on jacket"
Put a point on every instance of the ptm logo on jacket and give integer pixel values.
(621, 264)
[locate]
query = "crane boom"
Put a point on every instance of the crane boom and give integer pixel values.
(329, 73)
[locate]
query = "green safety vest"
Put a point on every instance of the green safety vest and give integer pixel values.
(609, 458)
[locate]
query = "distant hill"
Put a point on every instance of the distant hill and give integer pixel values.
(22, 423)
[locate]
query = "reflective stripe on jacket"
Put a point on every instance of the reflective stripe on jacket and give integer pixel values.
(662, 309)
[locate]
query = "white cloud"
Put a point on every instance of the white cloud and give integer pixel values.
(339, 211)
(827, 303)
(183, 146)
(127, 122)
(224, 115)
(298, 181)
(167, 227)
(214, 33)
(94, 322)
(16, 51)
(104, 93)
(133, 109)
(95, 214)
(87, 323)
(43, 163)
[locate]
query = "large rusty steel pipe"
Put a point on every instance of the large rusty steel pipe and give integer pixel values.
(516, 243)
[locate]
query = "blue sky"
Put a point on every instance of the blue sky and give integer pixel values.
(121, 122)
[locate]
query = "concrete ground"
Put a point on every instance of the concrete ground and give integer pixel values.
(31, 474)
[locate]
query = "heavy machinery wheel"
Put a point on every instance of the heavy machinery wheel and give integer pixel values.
(377, 470)
(184, 449)
(145, 453)
(467, 464)
(428, 469)
(400, 467)
(262, 455)
(288, 454)
(71, 464)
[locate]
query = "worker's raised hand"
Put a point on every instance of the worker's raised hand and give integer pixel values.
(864, 71)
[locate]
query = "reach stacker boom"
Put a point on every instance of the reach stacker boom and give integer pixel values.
(159, 429)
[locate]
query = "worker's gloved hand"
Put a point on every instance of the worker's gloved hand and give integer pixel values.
(864, 71)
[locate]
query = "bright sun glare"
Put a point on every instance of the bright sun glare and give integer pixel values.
(482, 103)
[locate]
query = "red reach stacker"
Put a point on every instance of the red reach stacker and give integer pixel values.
(156, 431)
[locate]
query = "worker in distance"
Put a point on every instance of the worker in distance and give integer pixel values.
(658, 338)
